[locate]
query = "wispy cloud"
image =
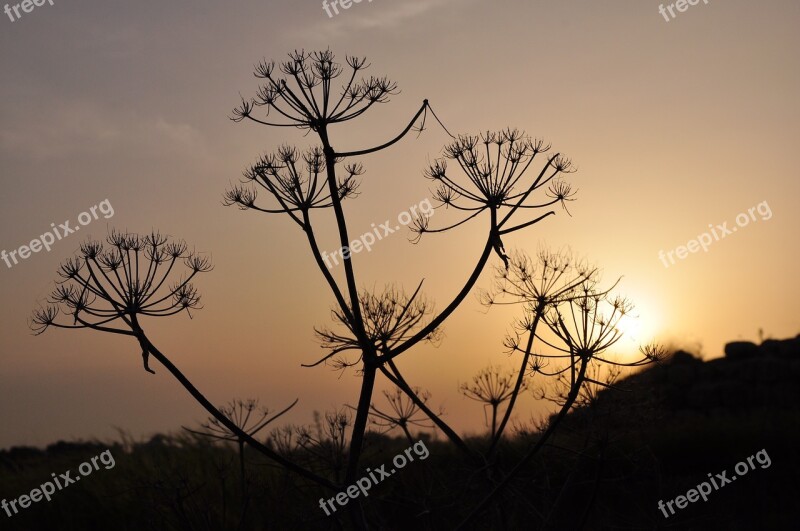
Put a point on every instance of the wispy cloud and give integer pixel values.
(377, 15)
(81, 128)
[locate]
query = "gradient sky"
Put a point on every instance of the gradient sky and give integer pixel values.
(673, 125)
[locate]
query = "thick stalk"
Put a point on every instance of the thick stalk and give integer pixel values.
(390, 142)
(312, 242)
(494, 418)
(408, 433)
(400, 382)
(241, 468)
(225, 421)
(341, 224)
(360, 423)
(439, 319)
(367, 349)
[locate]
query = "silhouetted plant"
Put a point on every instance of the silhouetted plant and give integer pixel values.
(298, 93)
(240, 412)
(403, 412)
(389, 319)
(109, 289)
(310, 108)
(596, 379)
(327, 442)
(550, 281)
(492, 388)
(495, 164)
(584, 327)
(282, 440)
(505, 174)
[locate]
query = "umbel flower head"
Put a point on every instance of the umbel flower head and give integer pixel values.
(490, 386)
(496, 166)
(390, 318)
(107, 287)
(587, 326)
(402, 413)
(300, 92)
(296, 182)
(247, 415)
(550, 279)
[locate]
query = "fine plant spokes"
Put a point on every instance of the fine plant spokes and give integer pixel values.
(402, 412)
(492, 387)
(568, 324)
(109, 289)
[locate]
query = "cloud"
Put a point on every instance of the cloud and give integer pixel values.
(84, 129)
(67, 130)
(359, 17)
(180, 134)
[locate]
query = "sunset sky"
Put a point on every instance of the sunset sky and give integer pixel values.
(672, 125)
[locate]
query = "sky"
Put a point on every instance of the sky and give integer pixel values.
(673, 125)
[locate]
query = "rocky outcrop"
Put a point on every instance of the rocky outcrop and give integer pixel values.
(770, 348)
(740, 350)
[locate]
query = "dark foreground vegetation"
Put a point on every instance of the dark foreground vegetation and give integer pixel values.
(653, 437)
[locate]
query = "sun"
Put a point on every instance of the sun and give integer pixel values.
(638, 328)
(631, 327)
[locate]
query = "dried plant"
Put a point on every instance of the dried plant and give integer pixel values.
(552, 279)
(492, 387)
(495, 165)
(389, 318)
(110, 289)
(404, 412)
(241, 414)
(299, 93)
(296, 186)
(584, 327)
(326, 442)
(507, 174)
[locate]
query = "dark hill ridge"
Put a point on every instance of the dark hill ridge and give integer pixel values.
(770, 348)
(697, 415)
(749, 378)
(662, 431)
